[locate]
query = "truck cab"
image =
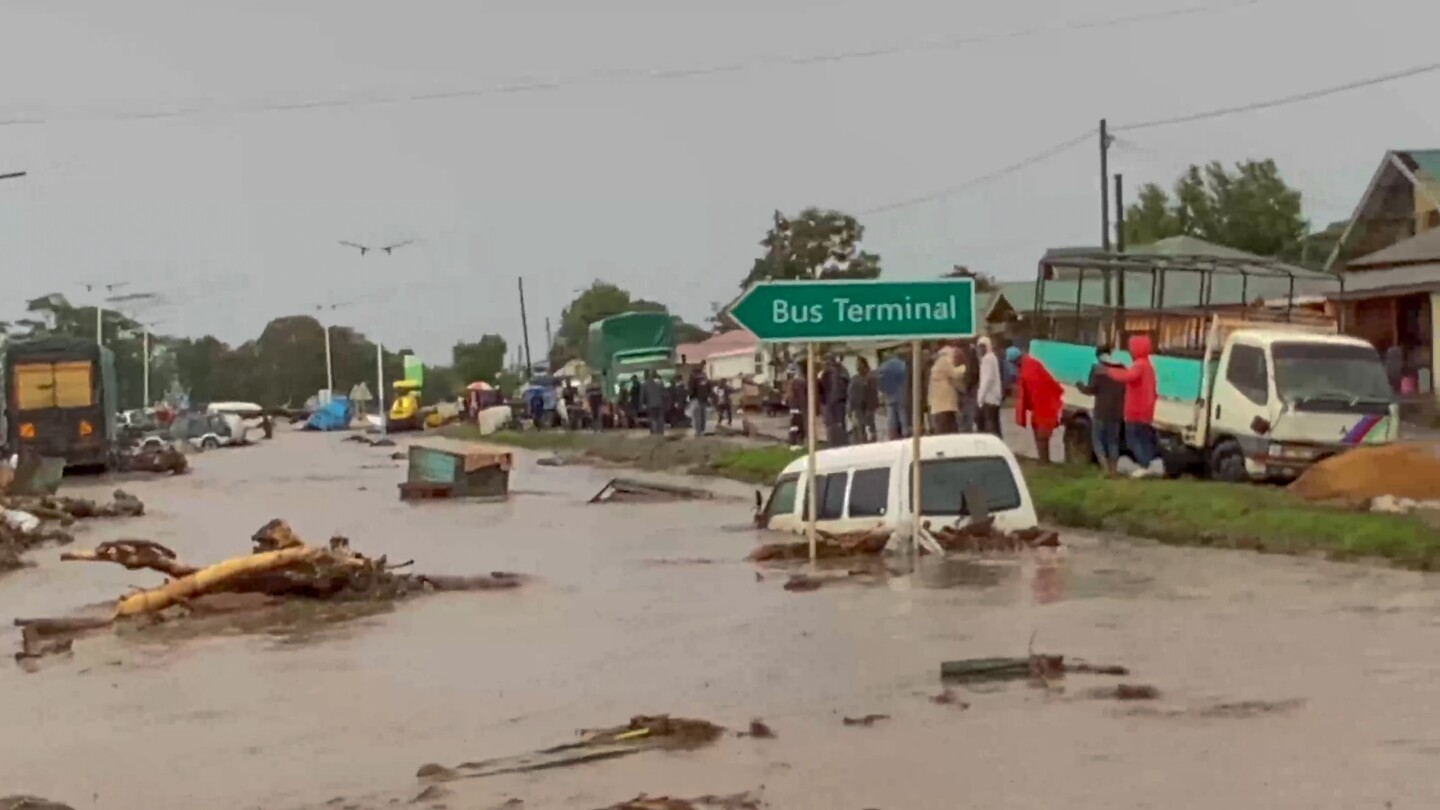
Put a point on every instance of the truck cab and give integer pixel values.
(1257, 402)
(1280, 401)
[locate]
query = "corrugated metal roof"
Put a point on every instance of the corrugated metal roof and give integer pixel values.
(1415, 250)
(1428, 161)
(1410, 278)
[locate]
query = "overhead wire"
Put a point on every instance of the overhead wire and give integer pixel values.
(617, 75)
(1282, 101)
(979, 180)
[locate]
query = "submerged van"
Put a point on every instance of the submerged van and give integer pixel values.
(868, 486)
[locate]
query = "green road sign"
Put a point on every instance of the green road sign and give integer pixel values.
(858, 310)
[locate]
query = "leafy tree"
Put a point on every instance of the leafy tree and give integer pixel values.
(984, 282)
(1250, 209)
(686, 332)
(483, 360)
(818, 244)
(601, 300)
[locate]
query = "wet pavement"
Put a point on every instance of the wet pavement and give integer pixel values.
(1284, 682)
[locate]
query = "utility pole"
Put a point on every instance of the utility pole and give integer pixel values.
(549, 338)
(1120, 248)
(1105, 199)
(525, 328)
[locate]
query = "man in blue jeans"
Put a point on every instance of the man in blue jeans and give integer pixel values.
(1107, 417)
(895, 386)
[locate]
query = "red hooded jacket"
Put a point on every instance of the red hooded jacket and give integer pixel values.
(1139, 381)
(1037, 395)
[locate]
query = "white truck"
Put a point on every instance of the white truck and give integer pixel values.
(1261, 401)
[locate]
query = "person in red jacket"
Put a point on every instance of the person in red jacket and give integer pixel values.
(1038, 399)
(1140, 394)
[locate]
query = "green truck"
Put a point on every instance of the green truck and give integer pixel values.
(60, 400)
(628, 345)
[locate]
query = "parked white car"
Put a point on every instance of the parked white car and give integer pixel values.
(207, 431)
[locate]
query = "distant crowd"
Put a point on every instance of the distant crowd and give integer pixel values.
(963, 386)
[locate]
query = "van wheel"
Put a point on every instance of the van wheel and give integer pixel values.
(1227, 462)
(1079, 449)
(210, 443)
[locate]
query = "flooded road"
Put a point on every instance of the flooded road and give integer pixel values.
(649, 609)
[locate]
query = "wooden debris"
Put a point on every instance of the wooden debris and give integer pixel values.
(738, 801)
(947, 697)
(760, 730)
(55, 513)
(281, 566)
(983, 536)
(864, 543)
(867, 721)
(1034, 667)
(642, 733)
(135, 555)
(166, 458)
(30, 803)
(629, 490)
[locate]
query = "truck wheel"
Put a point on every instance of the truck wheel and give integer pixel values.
(1227, 462)
(1079, 449)
(210, 443)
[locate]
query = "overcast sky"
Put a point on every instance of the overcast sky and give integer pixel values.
(661, 185)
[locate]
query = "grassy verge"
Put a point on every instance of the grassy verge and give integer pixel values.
(1208, 513)
(1188, 512)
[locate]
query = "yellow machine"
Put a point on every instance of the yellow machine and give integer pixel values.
(405, 412)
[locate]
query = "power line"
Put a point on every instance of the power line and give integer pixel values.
(1284, 100)
(613, 75)
(1294, 98)
(984, 178)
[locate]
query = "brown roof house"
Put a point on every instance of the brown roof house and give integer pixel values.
(1389, 256)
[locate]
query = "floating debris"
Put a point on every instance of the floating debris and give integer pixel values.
(866, 543)
(30, 521)
(947, 697)
(642, 733)
(760, 730)
(281, 567)
(867, 721)
(1037, 666)
(30, 803)
(166, 458)
(738, 801)
(983, 536)
(629, 490)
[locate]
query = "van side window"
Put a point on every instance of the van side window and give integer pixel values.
(1248, 373)
(831, 496)
(870, 492)
(782, 498)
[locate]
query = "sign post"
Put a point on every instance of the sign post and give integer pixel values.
(917, 428)
(849, 311)
(810, 446)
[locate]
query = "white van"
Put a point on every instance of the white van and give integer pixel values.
(868, 486)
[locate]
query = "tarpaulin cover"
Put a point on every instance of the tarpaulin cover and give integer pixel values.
(333, 415)
(627, 332)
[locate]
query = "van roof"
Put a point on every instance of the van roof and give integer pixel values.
(959, 445)
(1266, 337)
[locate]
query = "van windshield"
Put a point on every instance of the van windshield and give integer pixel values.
(943, 482)
(1330, 377)
(782, 497)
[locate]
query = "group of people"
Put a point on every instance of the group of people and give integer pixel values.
(964, 385)
(649, 401)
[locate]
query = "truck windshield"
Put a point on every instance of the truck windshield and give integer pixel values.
(1326, 376)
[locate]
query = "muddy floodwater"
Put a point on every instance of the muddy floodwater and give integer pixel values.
(1284, 683)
